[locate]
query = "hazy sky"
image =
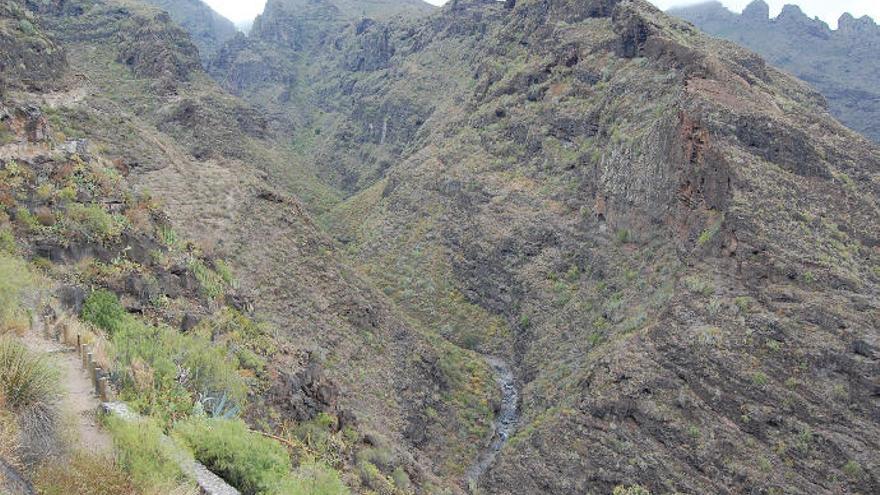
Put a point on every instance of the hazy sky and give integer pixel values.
(829, 10)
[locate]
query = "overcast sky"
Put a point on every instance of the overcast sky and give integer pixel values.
(829, 10)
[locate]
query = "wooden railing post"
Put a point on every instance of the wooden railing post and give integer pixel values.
(102, 389)
(85, 356)
(99, 373)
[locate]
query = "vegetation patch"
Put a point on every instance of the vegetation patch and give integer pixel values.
(250, 462)
(141, 451)
(16, 281)
(161, 370)
(93, 222)
(28, 382)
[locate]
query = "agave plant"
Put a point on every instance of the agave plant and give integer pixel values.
(217, 407)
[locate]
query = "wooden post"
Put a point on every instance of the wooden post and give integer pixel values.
(90, 366)
(85, 357)
(78, 343)
(98, 375)
(102, 389)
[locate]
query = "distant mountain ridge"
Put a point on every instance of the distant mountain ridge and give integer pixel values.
(842, 64)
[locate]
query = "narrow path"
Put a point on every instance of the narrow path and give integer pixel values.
(505, 421)
(79, 400)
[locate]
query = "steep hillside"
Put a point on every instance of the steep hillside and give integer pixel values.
(674, 242)
(208, 29)
(28, 59)
(220, 174)
(842, 64)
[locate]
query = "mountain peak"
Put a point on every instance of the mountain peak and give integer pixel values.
(757, 10)
(791, 10)
(851, 25)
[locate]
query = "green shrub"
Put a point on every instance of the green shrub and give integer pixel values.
(759, 379)
(141, 451)
(27, 27)
(250, 341)
(212, 285)
(852, 469)
(93, 222)
(373, 477)
(401, 480)
(224, 272)
(380, 457)
(311, 479)
(630, 490)
(103, 309)
(27, 380)
(697, 284)
(248, 461)
(27, 219)
(705, 237)
(168, 236)
(67, 194)
(7, 241)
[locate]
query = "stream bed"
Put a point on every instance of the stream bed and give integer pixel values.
(505, 422)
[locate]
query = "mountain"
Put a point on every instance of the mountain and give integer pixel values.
(522, 247)
(208, 29)
(633, 200)
(841, 63)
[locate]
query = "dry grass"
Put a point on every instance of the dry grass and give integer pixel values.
(69, 326)
(27, 380)
(84, 474)
(8, 435)
(29, 385)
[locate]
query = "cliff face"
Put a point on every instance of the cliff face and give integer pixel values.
(841, 64)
